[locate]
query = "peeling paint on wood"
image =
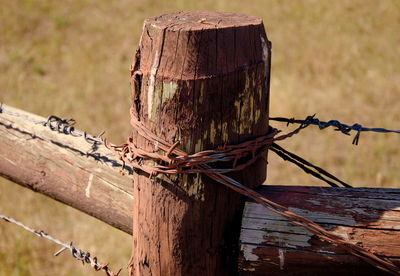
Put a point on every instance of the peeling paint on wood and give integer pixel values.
(203, 73)
(87, 190)
(281, 258)
(168, 91)
(266, 52)
(248, 252)
(152, 85)
(365, 217)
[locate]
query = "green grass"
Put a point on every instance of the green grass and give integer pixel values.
(71, 58)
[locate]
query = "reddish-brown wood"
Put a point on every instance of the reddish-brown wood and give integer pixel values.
(366, 217)
(205, 82)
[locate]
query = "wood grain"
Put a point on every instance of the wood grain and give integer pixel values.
(58, 166)
(61, 167)
(364, 216)
(205, 82)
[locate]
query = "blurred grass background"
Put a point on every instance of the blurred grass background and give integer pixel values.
(339, 59)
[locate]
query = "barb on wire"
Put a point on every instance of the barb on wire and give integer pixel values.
(60, 125)
(78, 254)
(241, 155)
(343, 128)
(360, 252)
(130, 152)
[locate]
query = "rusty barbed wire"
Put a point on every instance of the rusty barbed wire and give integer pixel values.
(131, 155)
(367, 256)
(343, 128)
(241, 155)
(66, 127)
(76, 253)
(60, 125)
(175, 164)
(180, 162)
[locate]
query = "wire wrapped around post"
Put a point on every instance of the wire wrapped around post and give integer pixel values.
(177, 162)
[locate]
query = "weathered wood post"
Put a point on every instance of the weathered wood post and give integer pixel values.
(201, 78)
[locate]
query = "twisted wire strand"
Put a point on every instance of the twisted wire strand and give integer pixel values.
(200, 162)
(243, 155)
(307, 166)
(78, 254)
(343, 128)
(60, 125)
(186, 163)
(369, 257)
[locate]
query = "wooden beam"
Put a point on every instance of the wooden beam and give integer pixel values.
(201, 78)
(365, 216)
(61, 167)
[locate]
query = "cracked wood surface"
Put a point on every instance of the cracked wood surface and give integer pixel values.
(204, 81)
(59, 166)
(365, 216)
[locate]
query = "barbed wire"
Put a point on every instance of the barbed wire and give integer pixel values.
(60, 125)
(307, 167)
(80, 255)
(128, 153)
(66, 126)
(343, 128)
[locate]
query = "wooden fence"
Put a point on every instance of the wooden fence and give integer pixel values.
(201, 78)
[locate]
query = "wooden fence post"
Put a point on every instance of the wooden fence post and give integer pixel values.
(201, 78)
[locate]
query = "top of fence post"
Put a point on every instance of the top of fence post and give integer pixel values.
(201, 78)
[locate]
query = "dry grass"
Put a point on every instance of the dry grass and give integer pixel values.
(340, 59)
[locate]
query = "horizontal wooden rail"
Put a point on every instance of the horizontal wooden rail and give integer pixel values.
(364, 216)
(59, 166)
